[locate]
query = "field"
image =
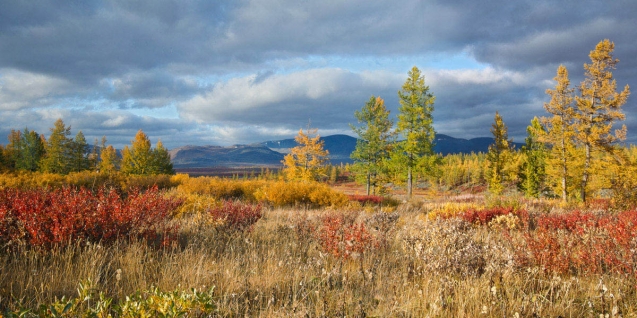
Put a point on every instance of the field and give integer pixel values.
(218, 247)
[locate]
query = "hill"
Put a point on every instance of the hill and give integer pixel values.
(270, 153)
(232, 156)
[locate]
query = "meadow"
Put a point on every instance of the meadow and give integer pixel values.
(99, 246)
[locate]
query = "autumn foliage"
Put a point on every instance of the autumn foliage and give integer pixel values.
(58, 217)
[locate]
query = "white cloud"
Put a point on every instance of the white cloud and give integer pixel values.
(19, 90)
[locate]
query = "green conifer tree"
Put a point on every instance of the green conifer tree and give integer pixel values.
(374, 141)
(415, 124)
(498, 154)
(533, 171)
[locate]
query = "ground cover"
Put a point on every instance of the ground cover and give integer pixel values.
(233, 252)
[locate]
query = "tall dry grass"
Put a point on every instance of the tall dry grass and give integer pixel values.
(443, 268)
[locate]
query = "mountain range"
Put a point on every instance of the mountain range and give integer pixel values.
(271, 153)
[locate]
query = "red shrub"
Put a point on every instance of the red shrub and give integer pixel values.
(584, 242)
(366, 199)
(342, 237)
(45, 218)
(236, 215)
(485, 216)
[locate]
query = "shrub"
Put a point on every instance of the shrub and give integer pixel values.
(57, 217)
(366, 199)
(450, 209)
(310, 194)
(236, 216)
(343, 238)
(583, 243)
(484, 216)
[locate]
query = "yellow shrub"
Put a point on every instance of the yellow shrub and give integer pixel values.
(223, 189)
(193, 203)
(314, 194)
(450, 209)
(506, 221)
(162, 181)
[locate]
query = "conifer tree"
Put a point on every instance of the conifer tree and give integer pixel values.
(12, 150)
(598, 109)
(109, 162)
(533, 172)
(559, 132)
(498, 154)
(57, 156)
(138, 159)
(307, 160)
(374, 141)
(30, 152)
(3, 160)
(79, 153)
(415, 124)
(161, 160)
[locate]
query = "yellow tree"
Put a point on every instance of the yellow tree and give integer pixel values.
(108, 160)
(558, 131)
(306, 161)
(598, 109)
(138, 159)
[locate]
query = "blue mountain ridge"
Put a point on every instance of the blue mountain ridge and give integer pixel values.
(271, 153)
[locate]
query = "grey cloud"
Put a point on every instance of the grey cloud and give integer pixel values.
(118, 126)
(96, 55)
(327, 97)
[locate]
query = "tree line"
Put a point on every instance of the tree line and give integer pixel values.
(572, 153)
(29, 151)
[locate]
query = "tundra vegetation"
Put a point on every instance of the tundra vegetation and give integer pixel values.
(506, 233)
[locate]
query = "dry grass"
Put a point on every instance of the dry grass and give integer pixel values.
(436, 269)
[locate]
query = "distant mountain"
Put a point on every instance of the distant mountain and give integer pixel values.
(449, 145)
(271, 153)
(232, 156)
(339, 146)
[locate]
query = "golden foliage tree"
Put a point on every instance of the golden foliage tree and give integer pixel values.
(137, 159)
(108, 160)
(598, 110)
(559, 133)
(307, 160)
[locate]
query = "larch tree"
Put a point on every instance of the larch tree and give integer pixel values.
(161, 160)
(375, 137)
(598, 109)
(79, 160)
(307, 160)
(415, 125)
(109, 162)
(30, 152)
(12, 150)
(138, 159)
(559, 132)
(56, 159)
(533, 170)
(3, 159)
(498, 155)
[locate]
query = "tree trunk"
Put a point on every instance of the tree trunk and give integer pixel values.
(587, 163)
(564, 171)
(368, 182)
(409, 183)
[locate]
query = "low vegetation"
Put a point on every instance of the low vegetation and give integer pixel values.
(210, 246)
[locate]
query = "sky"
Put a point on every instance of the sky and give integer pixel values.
(237, 72)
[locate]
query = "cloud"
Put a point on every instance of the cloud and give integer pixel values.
(250, 70)
(19, 90)
(327, 97)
